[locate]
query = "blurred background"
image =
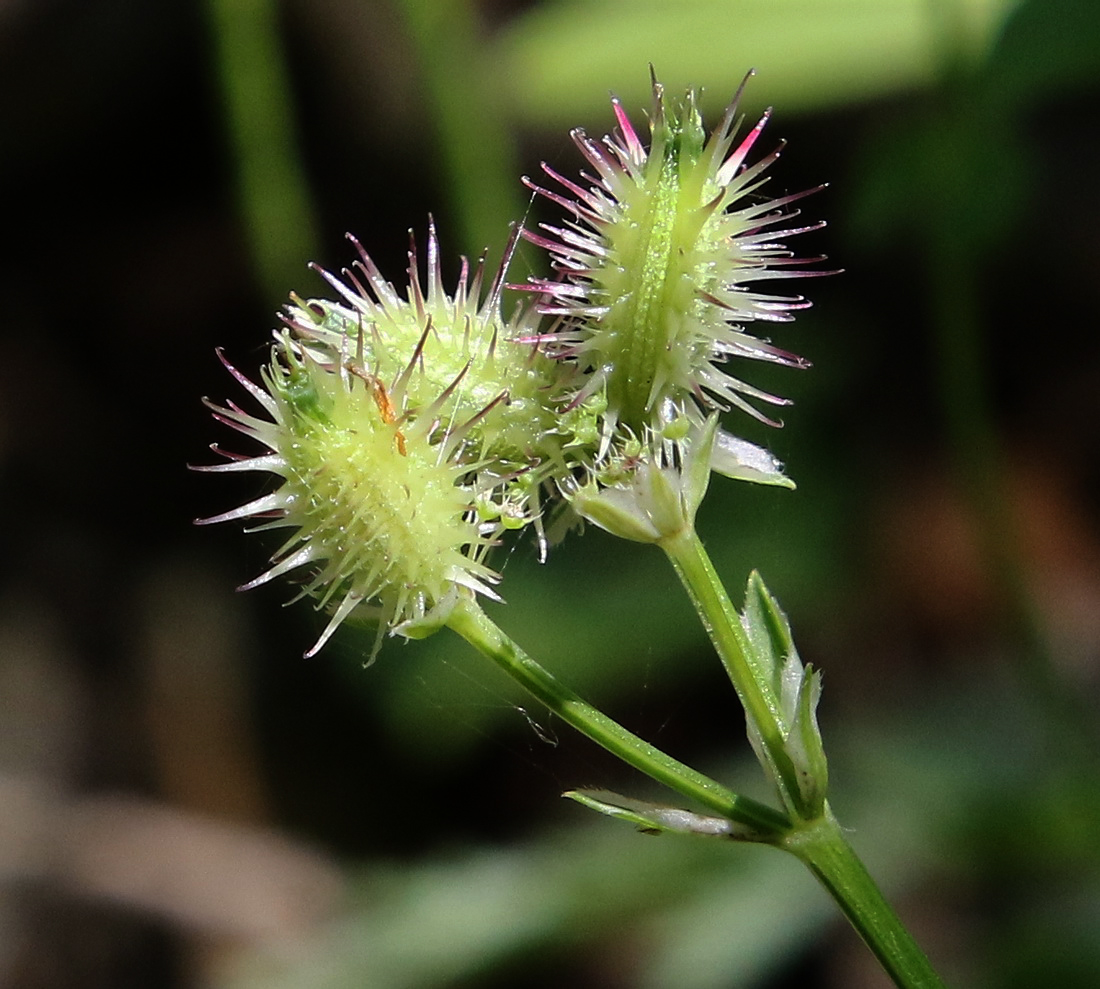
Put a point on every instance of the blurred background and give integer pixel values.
(186, 801)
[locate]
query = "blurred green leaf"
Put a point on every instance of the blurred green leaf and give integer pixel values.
(703, 914)
(561, 59)
(1047, 46)
(440, 921)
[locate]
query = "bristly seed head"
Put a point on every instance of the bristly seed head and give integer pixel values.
(521, 426)
(383, 517)
(410, 430)
(658, 264)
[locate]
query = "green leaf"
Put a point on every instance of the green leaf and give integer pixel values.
(659, 818)
(805, 747)
(795, 691)
(770, 637)
(741, 460)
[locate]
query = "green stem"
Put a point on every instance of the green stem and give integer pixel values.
(469, 621)
(822, 847)
(750, 679)
(818, 841)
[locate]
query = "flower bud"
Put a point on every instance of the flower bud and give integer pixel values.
(649, 492)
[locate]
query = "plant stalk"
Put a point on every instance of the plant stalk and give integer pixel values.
(470, 622)
(818, 842)
(750, 679)
(822, 847)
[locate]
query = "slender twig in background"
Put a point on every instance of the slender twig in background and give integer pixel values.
(273, 193)
(477, 158)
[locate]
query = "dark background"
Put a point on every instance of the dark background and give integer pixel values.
(184, 800)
